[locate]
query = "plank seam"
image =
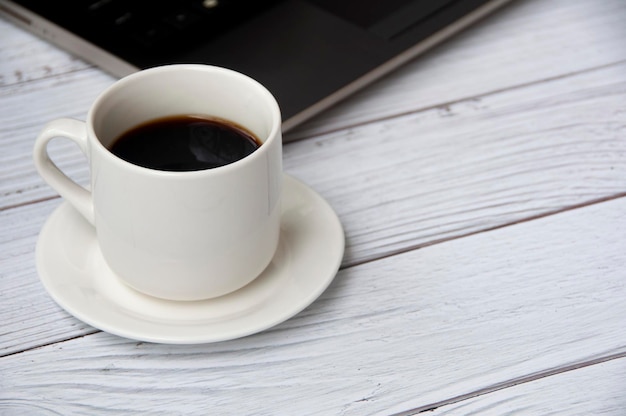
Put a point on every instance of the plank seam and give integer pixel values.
(497, 227)
(512, 383)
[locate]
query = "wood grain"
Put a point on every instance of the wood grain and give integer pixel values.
(390, 335)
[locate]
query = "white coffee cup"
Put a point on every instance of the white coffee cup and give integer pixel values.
(177, 235)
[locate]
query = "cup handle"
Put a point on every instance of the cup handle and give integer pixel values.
(75, 194)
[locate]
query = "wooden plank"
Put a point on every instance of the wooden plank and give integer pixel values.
(25, 57)
(390, 335)
(474, 165)
(30, 318)
(592, 390)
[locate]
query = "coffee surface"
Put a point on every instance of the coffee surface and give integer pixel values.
(185, 143)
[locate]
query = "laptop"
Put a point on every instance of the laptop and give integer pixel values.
(309, 53)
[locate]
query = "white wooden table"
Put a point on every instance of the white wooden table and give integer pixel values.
(482, 189)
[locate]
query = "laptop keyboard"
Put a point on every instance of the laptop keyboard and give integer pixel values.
(159, 24)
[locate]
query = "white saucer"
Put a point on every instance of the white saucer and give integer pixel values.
(309, 254)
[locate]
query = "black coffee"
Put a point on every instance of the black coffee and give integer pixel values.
(184, 143)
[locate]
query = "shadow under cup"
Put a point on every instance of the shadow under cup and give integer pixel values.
(188, 235)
